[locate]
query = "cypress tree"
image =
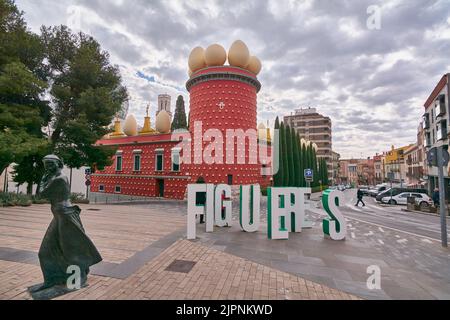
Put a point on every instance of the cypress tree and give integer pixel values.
(290, 174)
(283, 155)
(315, 167)
(301, 155)
(179, 118)
(295, 151)
(278, 177)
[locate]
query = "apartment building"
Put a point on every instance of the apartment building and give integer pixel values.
(435, 122)
(378, 168)
(316, 128)
(335, 165)
(395, 165)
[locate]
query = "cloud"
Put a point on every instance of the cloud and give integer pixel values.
(371, 83)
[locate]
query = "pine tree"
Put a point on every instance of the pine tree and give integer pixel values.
(179, 118)
(278, 177)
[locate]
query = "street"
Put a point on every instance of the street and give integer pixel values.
(392, 216)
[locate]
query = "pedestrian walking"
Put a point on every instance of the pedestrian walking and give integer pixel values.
(435, 197)
(359, 194)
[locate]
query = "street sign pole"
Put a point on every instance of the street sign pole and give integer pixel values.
(442, 208)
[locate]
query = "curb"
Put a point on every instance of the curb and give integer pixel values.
(424, 213)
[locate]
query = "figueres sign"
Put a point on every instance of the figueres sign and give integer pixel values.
(285, 210)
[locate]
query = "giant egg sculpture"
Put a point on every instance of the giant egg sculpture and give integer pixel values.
(254, 65)
(130, 126)
(215, 55)
(163, 122)
(239, 55)
(197, 59)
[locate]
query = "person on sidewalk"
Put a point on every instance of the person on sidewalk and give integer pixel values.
(435, 197)
(359, 194)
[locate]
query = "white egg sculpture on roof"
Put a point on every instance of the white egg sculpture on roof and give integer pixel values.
(163, 122)
(254, 65)
(215, 55)
(197, 59)
(239, 55)
(130, 126)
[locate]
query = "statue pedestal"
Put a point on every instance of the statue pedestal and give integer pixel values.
(50, 293)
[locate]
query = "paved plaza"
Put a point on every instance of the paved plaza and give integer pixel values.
(146, 256)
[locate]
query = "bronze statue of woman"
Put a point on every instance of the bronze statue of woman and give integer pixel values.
(65, 242)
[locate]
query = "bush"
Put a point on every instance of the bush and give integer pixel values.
(264, 191)
(78, 198)
(11, 199)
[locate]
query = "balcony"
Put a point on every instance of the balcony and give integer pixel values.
(426, 121)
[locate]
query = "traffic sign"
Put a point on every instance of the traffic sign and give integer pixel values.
(432, 157)
(88, 177)
(87, 171)
(309, 174)
(87, 183)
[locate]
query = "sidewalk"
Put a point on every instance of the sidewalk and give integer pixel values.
(145, 257)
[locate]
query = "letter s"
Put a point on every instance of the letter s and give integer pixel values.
(335, 226)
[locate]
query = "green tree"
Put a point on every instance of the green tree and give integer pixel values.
(278, 177)
(296, 154)
(290, 159)
(23, 75)
(283, 155)
(179, 118)
(86, 93)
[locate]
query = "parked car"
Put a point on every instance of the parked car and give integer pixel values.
(373, 192)
(400, 198)
(364, 190)
(395, 191)
(421, 199)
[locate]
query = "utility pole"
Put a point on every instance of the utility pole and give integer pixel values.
(442, 208)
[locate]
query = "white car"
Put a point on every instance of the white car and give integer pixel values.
(421, 199)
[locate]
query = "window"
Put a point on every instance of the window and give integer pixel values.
(404, 195)
(426, 121)
(119, 162)
(159, 160)
(137, 162)
(417, 195)
(101, 188)
(117, 189)
(440, 105)
(176, 160)
(230, 179)
(441, 130)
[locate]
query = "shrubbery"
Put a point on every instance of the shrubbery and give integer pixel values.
(11, 199)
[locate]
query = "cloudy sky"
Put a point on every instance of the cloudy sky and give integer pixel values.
(329, 54)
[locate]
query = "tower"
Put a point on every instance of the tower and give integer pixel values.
(164, 101)
(223, 98)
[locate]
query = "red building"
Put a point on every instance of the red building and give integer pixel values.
(222, 98)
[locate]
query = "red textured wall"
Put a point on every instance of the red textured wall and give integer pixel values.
(238, 112)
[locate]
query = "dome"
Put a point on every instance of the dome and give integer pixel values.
(261, 126)
(190, 73)
(254, 65)
(163, 122)
(215, 55)
(238, 55)
(197, 59)
(130, 126)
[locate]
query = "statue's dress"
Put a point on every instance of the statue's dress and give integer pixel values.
(65, 242)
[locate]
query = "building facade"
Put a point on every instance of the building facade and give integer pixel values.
(154, 163)
(435, 123)
(316, 128)
(335, 165)
(395, 165)
(164, 103)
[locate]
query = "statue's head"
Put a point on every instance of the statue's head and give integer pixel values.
(52, 163)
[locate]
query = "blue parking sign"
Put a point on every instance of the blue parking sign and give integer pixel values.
(309, 174)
